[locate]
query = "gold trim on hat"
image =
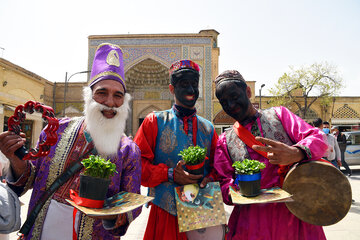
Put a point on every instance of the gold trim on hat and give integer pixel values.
(113, 58)
(110, 44)
(107, 74)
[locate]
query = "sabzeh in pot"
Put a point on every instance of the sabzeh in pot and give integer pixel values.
(95, 180)
(194, 158)
(248, 176)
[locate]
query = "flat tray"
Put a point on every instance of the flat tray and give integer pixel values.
(271, 195)
(120, 203)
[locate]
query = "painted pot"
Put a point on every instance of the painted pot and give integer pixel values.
(249, 184)
(197, 169)
(93, 188)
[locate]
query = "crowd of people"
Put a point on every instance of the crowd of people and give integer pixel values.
(152, 158)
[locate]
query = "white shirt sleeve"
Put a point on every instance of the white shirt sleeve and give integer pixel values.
(337, 150)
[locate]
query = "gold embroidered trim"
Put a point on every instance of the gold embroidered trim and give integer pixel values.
(30, 181)
(62, 150)
(168, 142)
(130, 216)
(107, 74)
(56, 167)
(36, 233)
(113, 58)
(85, 227)
(110, 44)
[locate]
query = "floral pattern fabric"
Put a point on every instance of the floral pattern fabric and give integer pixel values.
(272, 220)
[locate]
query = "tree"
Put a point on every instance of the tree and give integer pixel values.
(305, 85)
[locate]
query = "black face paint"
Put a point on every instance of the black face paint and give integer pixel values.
(187, 89)
(233, 100)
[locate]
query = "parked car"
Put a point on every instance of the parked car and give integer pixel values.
(352, 152)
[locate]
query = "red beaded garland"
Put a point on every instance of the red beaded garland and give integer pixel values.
(50, 130)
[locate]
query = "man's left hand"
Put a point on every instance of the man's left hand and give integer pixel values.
(204, 182)
(339, 163)
(278, 152)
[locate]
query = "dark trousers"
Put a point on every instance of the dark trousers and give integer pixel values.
(345, 165)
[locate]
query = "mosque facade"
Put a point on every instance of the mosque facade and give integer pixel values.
(147, 59)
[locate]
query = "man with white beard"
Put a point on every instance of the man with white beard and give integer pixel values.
(100, 132)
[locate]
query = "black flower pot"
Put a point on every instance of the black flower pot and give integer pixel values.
(197, 169)
(249, 184)
(93, 188)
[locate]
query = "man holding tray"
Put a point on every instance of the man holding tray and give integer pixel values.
(161, 137)
(288, 140)
(100, 132)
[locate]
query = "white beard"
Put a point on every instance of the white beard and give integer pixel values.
(106, 133)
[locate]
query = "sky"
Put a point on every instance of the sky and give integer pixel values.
(259, 38)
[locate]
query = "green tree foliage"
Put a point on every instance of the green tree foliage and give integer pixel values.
(305, 85)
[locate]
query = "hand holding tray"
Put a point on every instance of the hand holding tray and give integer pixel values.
(119, 203)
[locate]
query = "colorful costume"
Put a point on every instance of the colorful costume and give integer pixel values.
(161, 137)
(75, 143)
(272, 220)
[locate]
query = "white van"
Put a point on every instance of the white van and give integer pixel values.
(352, 152)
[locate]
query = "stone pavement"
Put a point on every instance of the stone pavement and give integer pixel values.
(347, 229)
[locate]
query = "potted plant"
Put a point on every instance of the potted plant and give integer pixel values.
(194, 158)
(248, 176)
(95, 180)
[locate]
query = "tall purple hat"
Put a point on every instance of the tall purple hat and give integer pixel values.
(108, 64)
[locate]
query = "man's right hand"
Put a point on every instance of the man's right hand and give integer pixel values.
(182, 177)
(9, 143)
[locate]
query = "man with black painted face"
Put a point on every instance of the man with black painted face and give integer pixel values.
(187, 90)
(287, 140)
(161, 137)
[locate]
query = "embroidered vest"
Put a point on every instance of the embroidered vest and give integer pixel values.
(171, 139)
(272, 129)
(57, 164)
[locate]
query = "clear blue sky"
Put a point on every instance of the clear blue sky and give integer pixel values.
(260, 38)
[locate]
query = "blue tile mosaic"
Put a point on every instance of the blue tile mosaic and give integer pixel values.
(185, 52)
(151, 41)
(166, 54)
(208, 82)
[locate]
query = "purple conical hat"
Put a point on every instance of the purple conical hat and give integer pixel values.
(108, 64)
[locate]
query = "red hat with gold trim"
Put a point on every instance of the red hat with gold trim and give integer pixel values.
(183, 64)
(180, 66)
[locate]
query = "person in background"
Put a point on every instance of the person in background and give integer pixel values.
(4, 171)
(341, 139)
(4, 167)
(333, 154)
